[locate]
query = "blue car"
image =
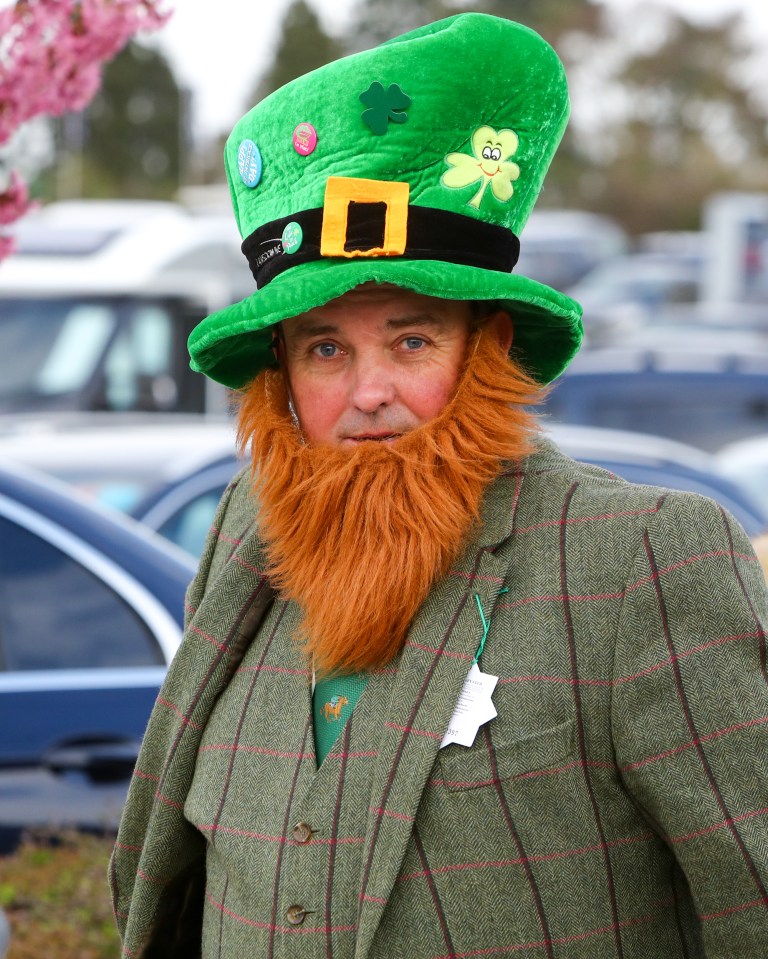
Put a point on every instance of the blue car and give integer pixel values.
(182, 510)
(698, 389)
(658, 461)
(91, 613)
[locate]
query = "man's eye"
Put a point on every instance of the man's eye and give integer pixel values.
(326, 350)
(413, 342)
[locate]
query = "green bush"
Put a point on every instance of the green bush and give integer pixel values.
(54, 892)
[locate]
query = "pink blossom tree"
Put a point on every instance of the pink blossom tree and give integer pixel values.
(51, 55)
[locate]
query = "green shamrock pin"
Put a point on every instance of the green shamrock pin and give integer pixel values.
(383, 106)
(489, 164)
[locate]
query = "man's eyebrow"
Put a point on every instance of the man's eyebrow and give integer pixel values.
(309, 328)
(416, 319)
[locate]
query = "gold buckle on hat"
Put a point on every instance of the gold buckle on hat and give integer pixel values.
(341, 191)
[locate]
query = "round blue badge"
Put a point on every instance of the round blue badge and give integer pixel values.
(292, 238)
(249, 163)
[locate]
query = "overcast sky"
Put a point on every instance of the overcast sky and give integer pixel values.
(218, 49)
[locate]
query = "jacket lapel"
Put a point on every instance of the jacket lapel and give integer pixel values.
(433, 666)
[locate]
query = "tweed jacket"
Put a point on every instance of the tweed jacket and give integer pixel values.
(617, 806)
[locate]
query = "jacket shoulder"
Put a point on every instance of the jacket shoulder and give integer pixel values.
(234, 518)
(551, 489)
(549, 473)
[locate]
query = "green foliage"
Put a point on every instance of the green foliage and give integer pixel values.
(374, 21)
(303, 46)
(686, 88)
(690, 128)
(129, 141)
(54, 892)
(553, 19)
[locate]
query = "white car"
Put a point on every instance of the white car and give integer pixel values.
(116, 458)
(746, 462)
(98, 301)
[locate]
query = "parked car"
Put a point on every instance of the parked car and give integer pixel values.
(116, 458)
(623, 292)
(98, 301)
(183, 509)
(559, 247)
(746, 462)
(680, 335)
(91, 610)
(707, 316)
(702, 392)
(657, 461)
(170, 472)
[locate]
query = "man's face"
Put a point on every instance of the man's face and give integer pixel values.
(373, 363)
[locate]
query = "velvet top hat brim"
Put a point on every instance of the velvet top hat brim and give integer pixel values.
(417, 164)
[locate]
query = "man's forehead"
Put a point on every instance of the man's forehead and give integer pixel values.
(307, 325)
(389, 306)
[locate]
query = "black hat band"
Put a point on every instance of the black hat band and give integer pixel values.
(432, 234)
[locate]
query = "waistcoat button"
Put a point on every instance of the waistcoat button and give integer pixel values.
(302, 832)
(296, 915)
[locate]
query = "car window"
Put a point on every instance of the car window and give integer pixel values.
(704, 413)
(68, 340)
(140, 360)
(188, 526)
(79, 343)
(56, 614)
(112, 353)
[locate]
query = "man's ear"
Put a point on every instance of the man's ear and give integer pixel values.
(278, 346)
(500, 326)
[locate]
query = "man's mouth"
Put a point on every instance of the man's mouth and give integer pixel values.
(374, 438)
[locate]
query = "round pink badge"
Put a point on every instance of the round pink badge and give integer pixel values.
(304, 139)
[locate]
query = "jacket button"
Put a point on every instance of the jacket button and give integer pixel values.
(302, 832)
(296, 915)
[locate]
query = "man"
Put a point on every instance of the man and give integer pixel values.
(443, 691)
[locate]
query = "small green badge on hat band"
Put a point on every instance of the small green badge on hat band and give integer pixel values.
(292, 237)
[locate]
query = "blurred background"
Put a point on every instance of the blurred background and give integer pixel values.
(669, 100)
(113, 455)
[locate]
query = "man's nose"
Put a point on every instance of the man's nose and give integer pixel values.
(372, 385)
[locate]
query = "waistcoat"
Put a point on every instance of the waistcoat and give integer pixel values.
(284, 864)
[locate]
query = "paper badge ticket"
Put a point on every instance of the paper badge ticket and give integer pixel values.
(473, 709)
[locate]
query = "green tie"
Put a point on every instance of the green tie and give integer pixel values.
(334, 699)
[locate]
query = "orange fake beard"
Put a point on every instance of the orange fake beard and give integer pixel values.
(359, 537)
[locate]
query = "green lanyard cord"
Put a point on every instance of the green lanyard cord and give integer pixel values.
(486, 625)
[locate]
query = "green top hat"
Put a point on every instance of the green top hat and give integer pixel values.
(416, 163)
